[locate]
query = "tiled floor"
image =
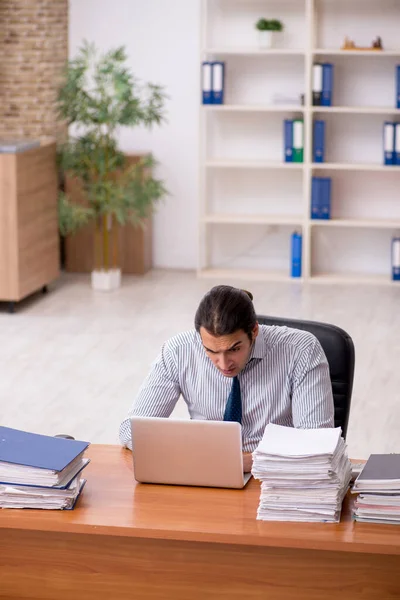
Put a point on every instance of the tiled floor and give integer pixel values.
(72, 361)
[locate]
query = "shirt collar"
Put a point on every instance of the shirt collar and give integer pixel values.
(259, 349)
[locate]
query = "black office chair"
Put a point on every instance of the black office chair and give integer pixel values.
(339, 350)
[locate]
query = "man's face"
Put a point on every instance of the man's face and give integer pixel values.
(229, 353)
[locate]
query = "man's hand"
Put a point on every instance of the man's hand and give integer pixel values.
(247, 462)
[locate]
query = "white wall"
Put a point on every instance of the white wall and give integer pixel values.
(162, 42)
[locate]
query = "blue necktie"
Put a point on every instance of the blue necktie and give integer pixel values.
(233, 409)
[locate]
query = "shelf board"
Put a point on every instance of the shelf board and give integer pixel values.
(247, 275)
(357, 223)
(338, 52)
(353, 278)
(358, 110)
(250, 164)
(253, 219)
(274, 108)
(255, 51)
(356, 167)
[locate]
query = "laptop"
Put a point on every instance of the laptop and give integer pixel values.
(188, 452)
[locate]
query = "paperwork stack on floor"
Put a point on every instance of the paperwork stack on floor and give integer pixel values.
(305, 474)
(39, 471)
(378, 487)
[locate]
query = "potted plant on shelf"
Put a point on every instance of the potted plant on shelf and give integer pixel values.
(98, 96)
(266, 31)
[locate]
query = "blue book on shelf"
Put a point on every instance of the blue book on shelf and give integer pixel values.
(316, 208)
(398, 86)
(218, 82)
(319, 142)
(296, 251)
(389, 157)
(397, 144)
(396, 259)
(325, 191)
(327, 84)
(288, 140)
(38, 451)
(206, 82)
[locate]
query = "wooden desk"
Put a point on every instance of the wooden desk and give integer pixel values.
(126, 540)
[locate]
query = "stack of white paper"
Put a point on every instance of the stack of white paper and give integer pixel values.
(305, 474)
(25, 496)
(378, 486)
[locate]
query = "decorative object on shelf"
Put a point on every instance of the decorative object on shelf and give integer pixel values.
(267, 29)
(389, 143)
(319, 141)
(321, 188)
(296, 252)
(396, 258)
(98, 96)
(349, 44)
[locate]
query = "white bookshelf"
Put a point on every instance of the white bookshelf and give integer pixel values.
(251, 200)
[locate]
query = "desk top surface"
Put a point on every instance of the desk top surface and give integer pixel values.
(112, 503)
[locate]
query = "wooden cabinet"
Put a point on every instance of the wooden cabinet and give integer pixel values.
(29, 241)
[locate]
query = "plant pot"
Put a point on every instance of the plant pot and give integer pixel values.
(106, 281)
(265, 39)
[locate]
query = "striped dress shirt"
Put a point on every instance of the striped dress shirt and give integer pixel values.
(285, 381)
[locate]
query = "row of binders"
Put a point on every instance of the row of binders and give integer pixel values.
(39, 471)
(391, 143)
(213, 82)
(293, 133)
(304, 473)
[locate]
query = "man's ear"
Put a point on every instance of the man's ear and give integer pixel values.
(255, 331)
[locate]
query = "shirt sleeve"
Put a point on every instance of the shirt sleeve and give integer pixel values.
(312, 398)
(158, 394)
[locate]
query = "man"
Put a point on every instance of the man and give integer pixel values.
(231, 368)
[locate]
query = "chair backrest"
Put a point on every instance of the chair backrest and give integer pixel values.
(339, 350)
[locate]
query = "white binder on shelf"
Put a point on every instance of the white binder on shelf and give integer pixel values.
(218, 82)
(206, 82)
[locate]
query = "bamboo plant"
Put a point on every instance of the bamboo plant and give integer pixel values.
(99, 95)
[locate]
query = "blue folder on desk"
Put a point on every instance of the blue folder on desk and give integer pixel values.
(39, 455)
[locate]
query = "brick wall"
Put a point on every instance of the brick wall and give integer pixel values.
(33, 50)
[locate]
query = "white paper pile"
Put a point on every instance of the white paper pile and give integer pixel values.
(378, 486)
(305, 474)
(25, 496)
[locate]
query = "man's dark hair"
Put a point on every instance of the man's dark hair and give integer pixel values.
(224, 310)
